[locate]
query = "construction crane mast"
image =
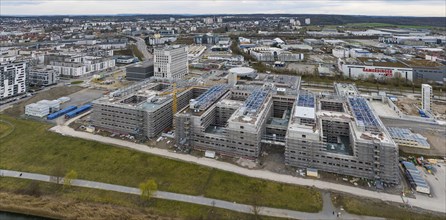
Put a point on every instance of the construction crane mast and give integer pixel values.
(174, 99)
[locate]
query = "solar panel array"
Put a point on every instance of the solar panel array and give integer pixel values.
(406, 134)
(210, 96)
(414, 176)
(305, 99)
(255, 101)
(362, 113)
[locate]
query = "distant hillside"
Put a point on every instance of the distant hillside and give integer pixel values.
(316, 19)
(346, 19)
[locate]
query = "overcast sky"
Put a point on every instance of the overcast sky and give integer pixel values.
(350, 7)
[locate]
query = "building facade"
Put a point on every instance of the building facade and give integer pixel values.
(140, 72)
(13, 79)
(43, 77)
(426, 97)
(340, 134)
(171, 62)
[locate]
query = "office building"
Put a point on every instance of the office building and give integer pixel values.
(139, 72)
(13, 79)
(426, 97)
(43, 77)
(171, 62)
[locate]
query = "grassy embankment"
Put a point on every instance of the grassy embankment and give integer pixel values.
(389, 210)
(51, 200)
(136, 52)
(31, 147)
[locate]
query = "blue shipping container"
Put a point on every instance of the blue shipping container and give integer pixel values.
(78, 111)
(61, 112)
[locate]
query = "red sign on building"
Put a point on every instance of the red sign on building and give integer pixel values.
(387, 72)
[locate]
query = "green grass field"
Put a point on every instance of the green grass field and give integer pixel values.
(31, 147)
(5, 129)
(158, 207)
(369, 207)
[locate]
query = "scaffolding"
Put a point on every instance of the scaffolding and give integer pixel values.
(363, 114)
(255, 101)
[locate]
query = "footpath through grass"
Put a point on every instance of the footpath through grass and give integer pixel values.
(31, 147)
(5, 128)
(51, 200)
(372, 207)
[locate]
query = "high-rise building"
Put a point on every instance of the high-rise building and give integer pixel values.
(13, 79)
(171, 62)
(307, 21)
(426, 96)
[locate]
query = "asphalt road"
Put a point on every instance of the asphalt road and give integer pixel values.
(283, 213)
(433, 204)
(141, 44)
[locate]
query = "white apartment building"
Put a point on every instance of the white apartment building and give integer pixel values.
(307, 21)
(171, 62)
(13, 79)
(79, 66)
(426, 97)
(43, 77)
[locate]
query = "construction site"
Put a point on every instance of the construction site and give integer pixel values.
(335, 132)
(339, 133)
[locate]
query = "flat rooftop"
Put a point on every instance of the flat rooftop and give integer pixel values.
(383, 63)
(422, 63)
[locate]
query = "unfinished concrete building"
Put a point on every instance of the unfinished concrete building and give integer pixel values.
(340, 133)
(143, 110)
(235, 121)
(332, 132)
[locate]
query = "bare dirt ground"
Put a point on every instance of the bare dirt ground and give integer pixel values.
(439, 109)
(114, 81)
(54, 207)
(436, 139)
(302, 68)
(273, 159)
(408, 105)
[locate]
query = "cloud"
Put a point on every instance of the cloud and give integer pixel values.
(350, 7)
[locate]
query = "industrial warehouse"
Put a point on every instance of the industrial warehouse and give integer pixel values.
(334, 132)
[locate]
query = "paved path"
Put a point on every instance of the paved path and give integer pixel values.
(434, 204)
(326, 213)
